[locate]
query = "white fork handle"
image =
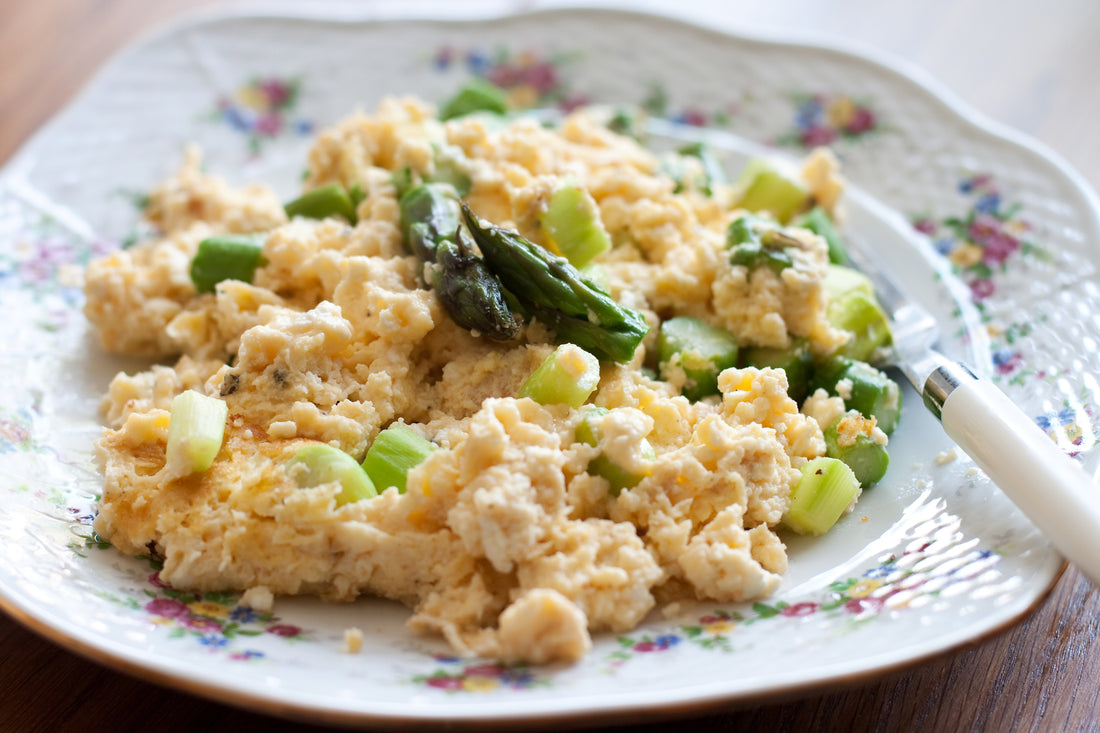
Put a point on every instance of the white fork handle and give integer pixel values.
(1049, 487)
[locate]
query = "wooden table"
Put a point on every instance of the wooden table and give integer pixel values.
(1029, 65)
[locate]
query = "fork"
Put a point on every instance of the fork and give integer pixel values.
(1048, 486)
(1051, 489)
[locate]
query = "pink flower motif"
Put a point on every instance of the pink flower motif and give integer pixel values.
(156, 582)
(276, 91)
(13, 432)
(504, 76)
(818, 135)
(444, 57)
(542, 77)
(983, 227)
(925, 226)
(485, 670)
(269, 124)
(982, 289)
(693, 116)
(707, 620)
(999, 247)
(573, 101)
(800, 609)
(445, 683)
(36, 271)
(246, 655)
(286, 630)
(199, 623)
(870, 604)
(168, 608)
(646, 646)
(863, 120)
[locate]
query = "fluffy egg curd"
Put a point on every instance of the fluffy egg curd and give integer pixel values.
(527, 523)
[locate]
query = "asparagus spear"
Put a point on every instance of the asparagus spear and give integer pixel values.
(557, 294)
(471, 294)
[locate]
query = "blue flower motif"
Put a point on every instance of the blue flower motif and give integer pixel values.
(808, 114)
(478, 62)
(667, 640)
(988, 203)
(237, 119)
(443, 58)
(518, 677)
(213, 640)
(243, 615)
(246, 655)
(446, 659)
(944, 245)
(880, 572)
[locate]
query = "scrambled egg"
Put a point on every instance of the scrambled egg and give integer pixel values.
(502, 543)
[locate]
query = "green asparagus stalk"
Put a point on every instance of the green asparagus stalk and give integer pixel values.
(471, 294)
(557, 294)
(226, 257)
(329, 200)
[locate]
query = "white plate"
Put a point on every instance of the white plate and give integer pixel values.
(934, 557)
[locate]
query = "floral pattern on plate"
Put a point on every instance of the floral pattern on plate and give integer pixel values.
(822, 119)
(981, 244)
(262, 109)
(528, 77)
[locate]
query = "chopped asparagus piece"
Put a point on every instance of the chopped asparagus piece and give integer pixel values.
(824, 492)
(403, 180)
(861, 316)
(394, 451)
(851, 440)
(699, 349)
(477, 95)
(693, 167)
(573, 225)
(196, 427)
(226, 257)
(568, 376)
(818, 222)
(755, 242)
(863, 388)
(767, 189)
(328, 200)
(322, 464)
(713, 173)
(840, 280)
(556, 293)
(449, 169)
(618, 478)
(628, 122)
(795, 360)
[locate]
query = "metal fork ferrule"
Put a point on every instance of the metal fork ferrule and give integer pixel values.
(943, 380)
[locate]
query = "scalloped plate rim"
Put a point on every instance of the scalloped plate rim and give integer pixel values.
(676, 701)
